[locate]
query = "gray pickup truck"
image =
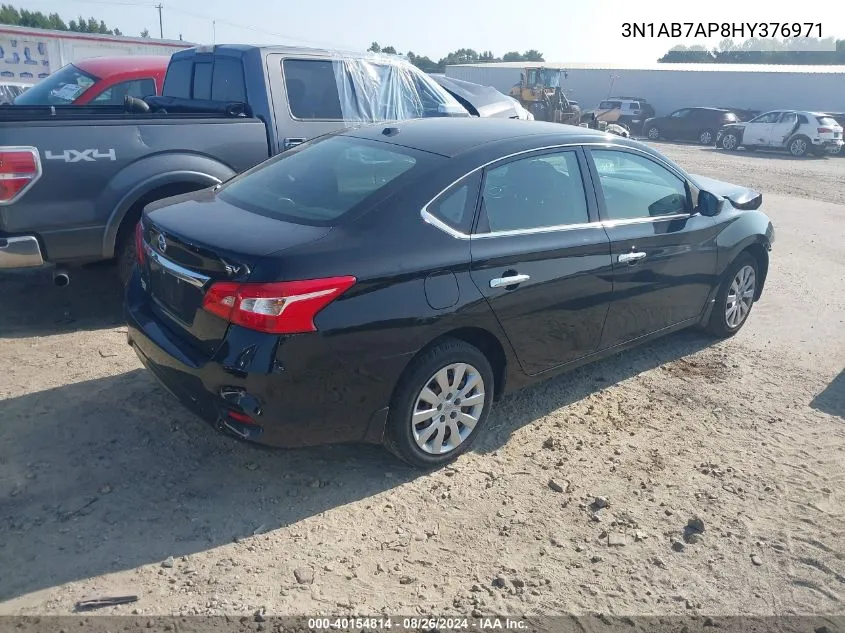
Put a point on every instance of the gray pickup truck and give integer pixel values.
(74, 179)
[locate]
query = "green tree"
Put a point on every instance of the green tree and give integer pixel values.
(374, 48)
(145, 33)
(36, 19)
(389, 50)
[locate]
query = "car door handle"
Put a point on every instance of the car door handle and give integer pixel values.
(630, 258)
(292, 142)
(512, 280)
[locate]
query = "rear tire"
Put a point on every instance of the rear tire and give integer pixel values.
(706, 137)
(733, 303)
(653, 133)
(421, 412)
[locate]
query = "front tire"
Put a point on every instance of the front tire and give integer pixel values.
(440, 405)
(730, 141)
(735, 297)
(653, 133)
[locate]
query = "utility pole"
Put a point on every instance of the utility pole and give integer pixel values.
(159, 6)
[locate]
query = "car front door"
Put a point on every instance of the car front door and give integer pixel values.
(541, 258)
(664, 256)
(758, 131)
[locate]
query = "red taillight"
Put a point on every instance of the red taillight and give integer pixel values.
(140, 253)
(20, 167)
(285, 307)
(824, 130)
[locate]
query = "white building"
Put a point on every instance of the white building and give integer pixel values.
(671, 86)
(28, 55)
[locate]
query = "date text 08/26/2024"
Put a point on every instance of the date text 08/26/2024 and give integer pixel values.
(722, 29)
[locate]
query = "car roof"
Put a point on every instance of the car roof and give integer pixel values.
(450, 136)
(126, 65)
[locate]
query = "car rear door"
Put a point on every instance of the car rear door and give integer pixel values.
(664, 256)
(780, 131)
(541, 258)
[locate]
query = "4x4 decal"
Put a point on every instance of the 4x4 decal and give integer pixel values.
(75, 155)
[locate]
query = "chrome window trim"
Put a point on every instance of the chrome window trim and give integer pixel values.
(436, 222)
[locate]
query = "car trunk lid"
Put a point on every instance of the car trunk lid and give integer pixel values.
(194, 240)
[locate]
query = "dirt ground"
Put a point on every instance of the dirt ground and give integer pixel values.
(108, 486)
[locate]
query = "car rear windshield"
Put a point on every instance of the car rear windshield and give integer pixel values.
(61, 88)
(828, 121)
(318, 182)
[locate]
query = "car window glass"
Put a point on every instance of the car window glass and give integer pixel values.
(319, 181)
(116, 94)
(637, 187)
(177, 82)
(456, 207)
(679, 113)
(605, 105)
(769, 117)
(802, 119)
(202, 81)
(788, 117)
(312, 89)
(227, 83)
(826, 120)
(535, 192)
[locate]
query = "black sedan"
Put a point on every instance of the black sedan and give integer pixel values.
(387, 284)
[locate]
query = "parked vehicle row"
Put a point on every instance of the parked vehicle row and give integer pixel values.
(798, 132)
(387, 284)
(99, 81)
(75, 178)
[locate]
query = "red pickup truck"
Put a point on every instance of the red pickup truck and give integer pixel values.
(99, 81)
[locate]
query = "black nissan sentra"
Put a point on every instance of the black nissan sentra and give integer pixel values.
(387, 284)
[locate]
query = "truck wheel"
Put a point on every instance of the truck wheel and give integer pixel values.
(125, 256)
(799, 146)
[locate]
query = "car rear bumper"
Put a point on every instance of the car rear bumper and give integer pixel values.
(277, 397)
(22, 251)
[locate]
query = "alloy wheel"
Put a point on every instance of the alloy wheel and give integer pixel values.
(740, 297)
(448, 408)
(706, 137)
(798, 147)
(729, 142)
(653, 133)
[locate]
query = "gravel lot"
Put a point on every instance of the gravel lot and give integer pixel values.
(107, 485)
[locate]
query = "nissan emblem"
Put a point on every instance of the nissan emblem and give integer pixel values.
(162, 243)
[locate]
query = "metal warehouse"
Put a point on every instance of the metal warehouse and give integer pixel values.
(671, 86)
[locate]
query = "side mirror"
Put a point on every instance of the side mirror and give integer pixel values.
(709, 204)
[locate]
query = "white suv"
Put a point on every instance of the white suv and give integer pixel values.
(798, 132)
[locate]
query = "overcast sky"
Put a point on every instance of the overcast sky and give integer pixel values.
(563, 30)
